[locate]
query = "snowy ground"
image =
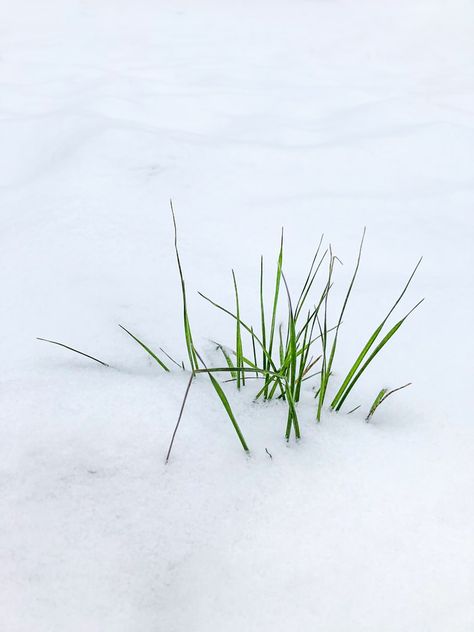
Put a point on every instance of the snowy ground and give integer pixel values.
(320, 116)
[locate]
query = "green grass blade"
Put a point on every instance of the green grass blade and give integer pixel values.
(376, 402)
(381, 397)
(281, 348)
(250, 369)
(377, 349)
(227, 358)
(317, 307)
(238, 335)
(303, 356)
(355, 366)
(187, 327)
(325, 368)
(86, 355)
(275, 298)
(147, 349)
(249, 329)
(254, 348)
(335, 402)
(262, 316)
(225, 402)
(344, 305)
(310, 279)
(404, 290)
(291, 347)
(292, 417)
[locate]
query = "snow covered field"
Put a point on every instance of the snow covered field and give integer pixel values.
(322, 116)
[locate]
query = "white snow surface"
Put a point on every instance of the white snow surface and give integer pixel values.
(320, 116)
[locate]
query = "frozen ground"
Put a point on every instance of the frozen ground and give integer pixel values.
(320, 116)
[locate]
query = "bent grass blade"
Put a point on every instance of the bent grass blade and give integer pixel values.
(381, 397)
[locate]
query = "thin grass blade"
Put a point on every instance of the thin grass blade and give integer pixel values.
(147, 349)
(179, 418)
(187, 327)
(225, 402)
(381, 397)
(336, 401)
(238, 335)
(86, 355)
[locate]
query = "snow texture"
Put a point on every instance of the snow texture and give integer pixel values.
(322, 116)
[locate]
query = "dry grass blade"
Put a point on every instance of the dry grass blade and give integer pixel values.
(179, 418)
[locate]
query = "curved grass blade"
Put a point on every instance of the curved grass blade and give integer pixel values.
(147, 349)
(376, 402)
(381, 397)
(344, 305)
(86, 355)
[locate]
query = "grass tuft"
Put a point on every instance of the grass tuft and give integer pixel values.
(289, 356)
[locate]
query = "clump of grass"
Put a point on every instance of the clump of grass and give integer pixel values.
(287, 352)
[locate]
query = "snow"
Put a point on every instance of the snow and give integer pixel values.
(322, 116)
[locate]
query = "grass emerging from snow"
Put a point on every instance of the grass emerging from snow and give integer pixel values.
(283, 355)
